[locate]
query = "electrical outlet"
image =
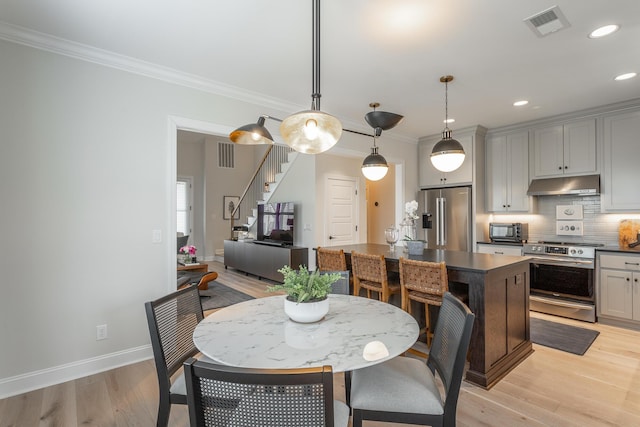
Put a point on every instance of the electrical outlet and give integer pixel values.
(569, 228)
(101, 332)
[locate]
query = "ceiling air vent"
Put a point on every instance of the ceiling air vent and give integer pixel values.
(547, 22)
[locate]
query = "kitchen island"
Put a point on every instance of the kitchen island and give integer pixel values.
(498, 289)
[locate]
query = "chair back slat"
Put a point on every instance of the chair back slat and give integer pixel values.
(238, 397)
(172, 320)
(450, 345)
(331, 259)
(424, 276)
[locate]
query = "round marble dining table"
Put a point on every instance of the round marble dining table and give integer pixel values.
(357, 332)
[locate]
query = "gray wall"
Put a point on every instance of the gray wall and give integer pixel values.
(88, 167)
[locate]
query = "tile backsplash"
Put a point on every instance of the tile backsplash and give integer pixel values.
(598, 227)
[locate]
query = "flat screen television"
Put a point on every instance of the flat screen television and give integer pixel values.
(275, 223)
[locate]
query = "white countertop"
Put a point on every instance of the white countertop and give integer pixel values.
(258, 334)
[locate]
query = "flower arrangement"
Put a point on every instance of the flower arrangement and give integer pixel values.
(188, 253)
(304, 286)
(188, 250)
(410, 208)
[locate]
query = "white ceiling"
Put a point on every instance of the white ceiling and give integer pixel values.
(389, 51)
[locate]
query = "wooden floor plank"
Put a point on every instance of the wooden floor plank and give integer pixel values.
(550, 388)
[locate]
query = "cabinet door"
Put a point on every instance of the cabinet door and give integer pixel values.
(496, 170)
(636, 296)
(516, 313)
(616, 293)
(548, 151)
(580, 147)
(518, 172)
(621, 154)
(432, 177)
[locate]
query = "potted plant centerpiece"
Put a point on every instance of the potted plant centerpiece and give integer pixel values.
(307, 292)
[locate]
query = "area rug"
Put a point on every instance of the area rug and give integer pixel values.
(571, 339)
(219, 295)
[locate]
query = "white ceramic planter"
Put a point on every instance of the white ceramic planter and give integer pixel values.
(415, 247)
(306, 312)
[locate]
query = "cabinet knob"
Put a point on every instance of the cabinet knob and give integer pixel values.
(508, 206)
(504, 206)
(559, 168)
(628, 279)
(566, 167)
(330, 237)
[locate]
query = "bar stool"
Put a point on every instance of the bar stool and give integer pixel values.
(425, 282)
(370, 273)
(331, 259)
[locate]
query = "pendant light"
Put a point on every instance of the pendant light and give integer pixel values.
(312, 131)
(448, 154)
(374, 167)
(252, 134)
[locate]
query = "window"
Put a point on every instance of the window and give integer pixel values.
(183, 208)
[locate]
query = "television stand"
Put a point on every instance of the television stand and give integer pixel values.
(263, 259)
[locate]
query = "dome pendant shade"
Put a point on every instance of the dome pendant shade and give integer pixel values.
(383, 119)
(311, 131)
(374, 167)
(252, 134)
(448, 154)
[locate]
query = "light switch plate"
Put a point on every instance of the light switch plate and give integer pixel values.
(569, 228)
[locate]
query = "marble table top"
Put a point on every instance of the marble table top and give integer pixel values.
(258, 334)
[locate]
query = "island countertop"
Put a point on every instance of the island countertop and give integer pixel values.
(458, 260)
(498, 291)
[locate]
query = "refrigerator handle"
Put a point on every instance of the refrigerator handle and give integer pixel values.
(438, 221)
(443, 206)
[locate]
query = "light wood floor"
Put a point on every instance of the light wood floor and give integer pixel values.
(550, 388)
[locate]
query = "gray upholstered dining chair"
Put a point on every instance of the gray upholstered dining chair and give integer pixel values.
(220, 395)
(172, 320)
(404, 389)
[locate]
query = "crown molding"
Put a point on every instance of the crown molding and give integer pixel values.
(83, 52)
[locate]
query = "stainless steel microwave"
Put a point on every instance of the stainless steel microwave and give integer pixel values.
(516, 232)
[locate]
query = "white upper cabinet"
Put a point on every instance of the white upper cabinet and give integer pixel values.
(568, 149)
(621, 160)
(432, 177)
(507, 179)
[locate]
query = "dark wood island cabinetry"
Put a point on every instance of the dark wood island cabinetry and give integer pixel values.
(498, 289)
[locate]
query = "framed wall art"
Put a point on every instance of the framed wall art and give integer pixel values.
(229, 203)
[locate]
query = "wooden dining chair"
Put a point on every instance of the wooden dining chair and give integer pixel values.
(221, 395)
(331, 259)
(370, 273)
(405, 389)
(172, 320)
(424, 282)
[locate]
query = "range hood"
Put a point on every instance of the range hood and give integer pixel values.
(586, 185)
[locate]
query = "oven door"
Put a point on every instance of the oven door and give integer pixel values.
(570, 279)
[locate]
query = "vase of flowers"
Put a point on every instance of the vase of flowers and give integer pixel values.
(408, 224)
(188, 253)
(306, 300)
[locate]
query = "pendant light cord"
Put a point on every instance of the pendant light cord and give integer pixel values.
(446, 105)
(315, 96)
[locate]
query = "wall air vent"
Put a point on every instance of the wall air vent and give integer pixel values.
(226, 155)
(548, 21)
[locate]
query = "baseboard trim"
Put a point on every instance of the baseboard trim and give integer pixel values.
(58, 374)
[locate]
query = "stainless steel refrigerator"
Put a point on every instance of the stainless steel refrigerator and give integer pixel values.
(446, 218)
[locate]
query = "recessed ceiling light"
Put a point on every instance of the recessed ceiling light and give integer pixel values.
(603, 31)
(449, 120)
(625, 76)
(520, 103)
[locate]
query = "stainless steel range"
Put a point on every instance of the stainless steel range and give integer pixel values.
(562, 279)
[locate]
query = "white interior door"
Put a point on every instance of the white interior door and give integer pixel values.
(341, 211)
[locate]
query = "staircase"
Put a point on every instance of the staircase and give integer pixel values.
(266, 181)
